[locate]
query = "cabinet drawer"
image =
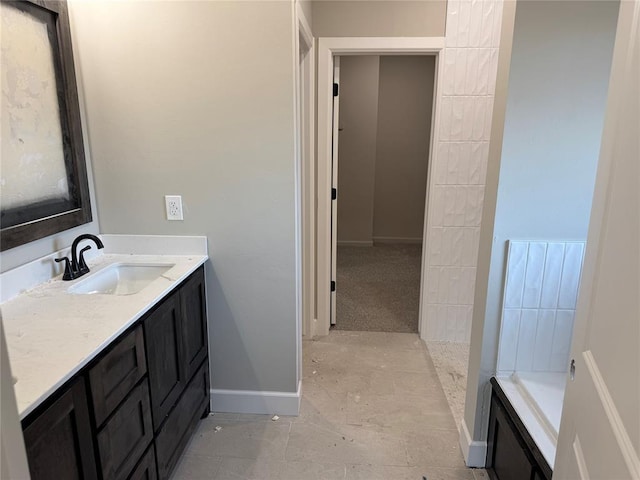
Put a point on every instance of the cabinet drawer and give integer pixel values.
(126, 435)
(182, 421)
(146, 469)
(116, 374)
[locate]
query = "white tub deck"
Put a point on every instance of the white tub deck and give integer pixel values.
(537, 398)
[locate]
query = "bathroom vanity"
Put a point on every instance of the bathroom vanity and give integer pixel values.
(116, 389)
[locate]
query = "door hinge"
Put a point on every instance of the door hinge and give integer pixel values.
(336, 89)
(333, 285)
(334, 193)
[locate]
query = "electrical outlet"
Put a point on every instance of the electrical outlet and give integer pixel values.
(174, 207)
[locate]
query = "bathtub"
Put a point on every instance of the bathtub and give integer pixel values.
(537, 399)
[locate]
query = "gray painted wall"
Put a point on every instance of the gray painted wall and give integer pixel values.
(196, 98)
(379, 18)
(555, 114)
(307, 10)
(543, 158)
(357, 148)
(402, 152)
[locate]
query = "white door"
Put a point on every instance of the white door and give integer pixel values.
(600, 431)
(334, 185)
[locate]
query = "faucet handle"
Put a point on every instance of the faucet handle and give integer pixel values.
(82, 265)
(68, 275)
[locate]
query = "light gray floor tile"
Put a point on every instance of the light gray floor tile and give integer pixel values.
(395, 360)
(374, 339)
(375, 472)
(400, 413)
(239, 439)
(434, 473)
(372, 408)
(344, 378)
(254, 417)
(312, 471)
(480, 474)
(224, 416)
(345, 443)
(451, 362)
(413, 383)
(249, 469)
(382, 472)
(196, 467)
(321, 406)
(434, 448)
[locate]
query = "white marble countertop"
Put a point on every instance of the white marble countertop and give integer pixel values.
(51, 334)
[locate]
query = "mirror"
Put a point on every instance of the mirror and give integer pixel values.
(43, 179)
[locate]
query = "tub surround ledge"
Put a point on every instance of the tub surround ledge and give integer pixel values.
(51, 333)
(529, 422)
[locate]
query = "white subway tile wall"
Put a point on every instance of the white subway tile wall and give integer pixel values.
(462, 147)
(540, 295)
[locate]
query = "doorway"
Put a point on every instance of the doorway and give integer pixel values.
(328, 50)
(382, 119)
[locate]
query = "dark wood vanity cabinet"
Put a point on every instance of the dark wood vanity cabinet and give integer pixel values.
(130, 413)
(59, 442)
(177, 349)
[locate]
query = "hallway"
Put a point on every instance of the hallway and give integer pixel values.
(372, 408)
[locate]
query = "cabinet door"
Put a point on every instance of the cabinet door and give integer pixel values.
(163, 341)
(126, 435)
(507, 457)
(182, 422)
(116, 374)
(58, 442)
(194, 322)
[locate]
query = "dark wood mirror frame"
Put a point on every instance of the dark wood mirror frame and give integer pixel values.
(21, 225)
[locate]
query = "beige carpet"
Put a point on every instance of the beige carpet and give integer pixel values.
(378, 288)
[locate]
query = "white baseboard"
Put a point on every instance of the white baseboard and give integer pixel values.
(474, 452)
(355, 243)
(411, 240)
(251, 401)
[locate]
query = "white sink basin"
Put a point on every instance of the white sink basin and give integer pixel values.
(120, 279)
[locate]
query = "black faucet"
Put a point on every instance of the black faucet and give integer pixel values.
(78, 267)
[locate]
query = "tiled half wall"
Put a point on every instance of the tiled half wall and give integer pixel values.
(455, 202)
(539, 304)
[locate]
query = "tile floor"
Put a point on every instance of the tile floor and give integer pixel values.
(372, 408)
(452, 362)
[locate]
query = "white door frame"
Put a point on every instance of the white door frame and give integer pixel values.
(305, 127)
(328, 47)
